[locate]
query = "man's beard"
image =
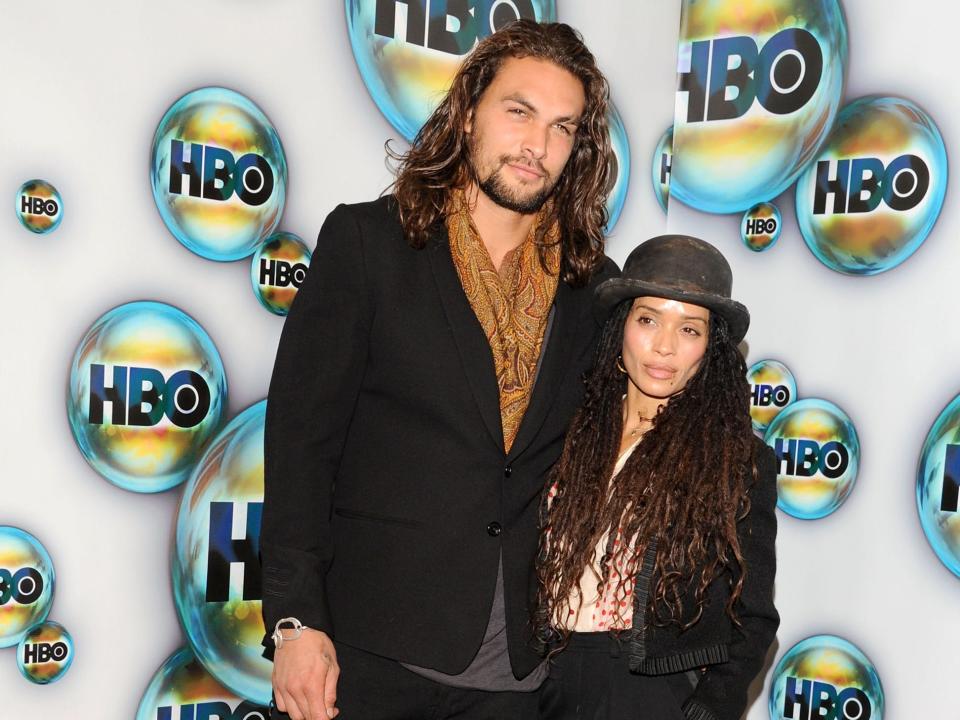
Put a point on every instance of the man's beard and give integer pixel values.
(496, 188)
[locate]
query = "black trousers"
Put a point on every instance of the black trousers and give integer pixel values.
(376, 688)
(590, 680)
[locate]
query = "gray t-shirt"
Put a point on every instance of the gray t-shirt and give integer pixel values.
(490, 668)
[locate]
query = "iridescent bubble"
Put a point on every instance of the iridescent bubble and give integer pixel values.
(39, 206)
(147, 389)
(218, 531)
(772, 388)
(830, 677)
(617, 192)
(182, 688)
(818, 454)
(408, 56)
(938, 480)
(760, 226)
(876, 189)
(219, 174)
(45, 653)
(660, 168)
(760, 86)
(278, 269)
(26, 584)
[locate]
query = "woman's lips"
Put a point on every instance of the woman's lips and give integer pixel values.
(660, 372)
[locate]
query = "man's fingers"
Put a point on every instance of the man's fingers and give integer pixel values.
(309, 711)
(330, 690)
(286, 704)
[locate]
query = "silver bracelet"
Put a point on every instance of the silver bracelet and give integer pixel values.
(298, 628)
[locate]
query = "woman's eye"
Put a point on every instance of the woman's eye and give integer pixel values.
(692, 331)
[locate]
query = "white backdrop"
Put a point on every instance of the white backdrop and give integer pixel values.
(86, 85)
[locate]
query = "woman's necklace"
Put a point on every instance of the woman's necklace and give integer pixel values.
(642, 422)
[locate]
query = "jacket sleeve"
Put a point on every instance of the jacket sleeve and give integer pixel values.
(316, 380)
(721, 693)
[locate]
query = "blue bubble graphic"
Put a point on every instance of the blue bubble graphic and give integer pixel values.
(818, 454)
(218, 173)
(828, 674)
(876, 189)
(938, 480)
(147, 389)
(223, 501)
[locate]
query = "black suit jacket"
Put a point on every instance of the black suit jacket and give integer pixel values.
(388, 495)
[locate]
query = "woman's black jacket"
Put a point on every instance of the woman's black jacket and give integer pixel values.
(730, 655)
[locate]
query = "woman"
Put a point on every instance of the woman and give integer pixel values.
(657, 561)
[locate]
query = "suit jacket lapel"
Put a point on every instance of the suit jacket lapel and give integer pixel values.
(472, 343)
(555, 358)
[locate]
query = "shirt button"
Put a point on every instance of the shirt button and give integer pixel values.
(494, 529)
(508, 471)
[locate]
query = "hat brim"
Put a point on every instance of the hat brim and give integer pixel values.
(613, 291)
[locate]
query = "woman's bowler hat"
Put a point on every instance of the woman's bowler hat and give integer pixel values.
(676, 267)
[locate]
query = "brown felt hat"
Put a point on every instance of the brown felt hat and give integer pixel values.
(676, 267)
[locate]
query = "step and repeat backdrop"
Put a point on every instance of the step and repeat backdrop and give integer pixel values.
(167, 167)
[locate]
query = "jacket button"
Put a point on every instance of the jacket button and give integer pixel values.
(494, 529)
(508, 471)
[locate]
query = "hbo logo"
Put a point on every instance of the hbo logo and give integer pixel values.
(234, 547)
(213, 174)
(24, 587)
(214, 710)
(767, 395)
(38, 206)
(782, 77)
(805, 458)
(44, 652)
(472, 20)
(184, 398)
(280, 273)
(761, 226)
(815, 700)
(858, 185)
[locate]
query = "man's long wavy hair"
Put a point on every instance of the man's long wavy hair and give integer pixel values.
(439, 160)
(684, 487)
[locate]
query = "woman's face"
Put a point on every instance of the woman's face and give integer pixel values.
(663, 344)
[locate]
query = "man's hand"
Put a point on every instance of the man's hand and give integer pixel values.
(305, 673)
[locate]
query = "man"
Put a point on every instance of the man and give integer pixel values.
(425, 377)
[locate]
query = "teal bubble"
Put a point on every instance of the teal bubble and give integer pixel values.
(833, 677)
(744, 136)
(407, 73)
(182, 688)
(27, 582)
(876, 189)
(617, 192)
(279, 267)
(146, 390)
(772, 388)
(660, 168)
(818, 456)
(218, 173)
(760, 226)
(45, 653)
(39, 206)
(938, 479)
(218, 526)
